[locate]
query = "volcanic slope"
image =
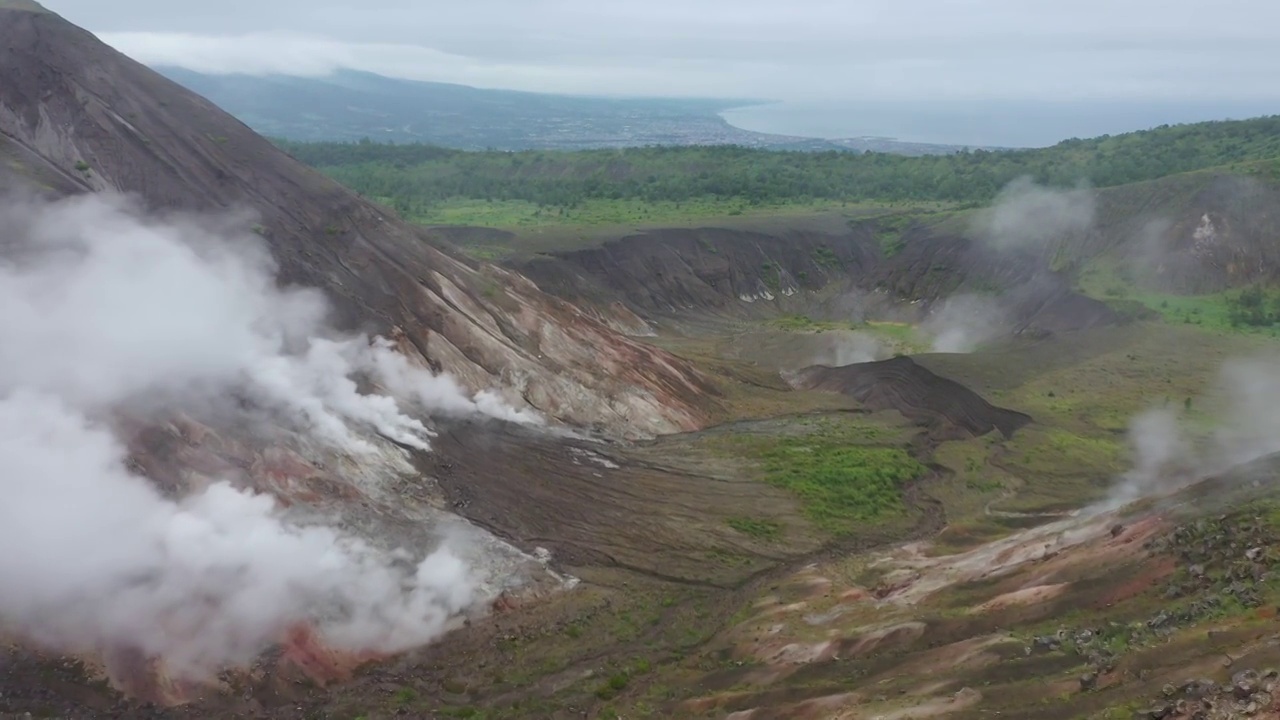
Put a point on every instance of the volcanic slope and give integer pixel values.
(73, 112)
(77, 118)
(640, 534)
(823, 559)
(944, 405)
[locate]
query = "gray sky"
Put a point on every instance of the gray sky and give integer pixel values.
(891, 50)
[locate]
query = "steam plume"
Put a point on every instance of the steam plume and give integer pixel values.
(963, 323)
(1166, 454)
(105, 307)
(848, 348)
(1027, 215)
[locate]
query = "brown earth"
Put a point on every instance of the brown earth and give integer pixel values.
(1019, 628)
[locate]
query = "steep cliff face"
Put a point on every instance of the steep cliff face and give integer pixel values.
(77, 116)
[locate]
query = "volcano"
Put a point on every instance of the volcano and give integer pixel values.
(80, 120)
(77, 116)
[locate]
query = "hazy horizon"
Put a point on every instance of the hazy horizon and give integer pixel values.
(926, 70)
(1013, 125)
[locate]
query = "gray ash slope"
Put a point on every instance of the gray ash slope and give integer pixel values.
(944, 406)
(670, 273)
(77, 116)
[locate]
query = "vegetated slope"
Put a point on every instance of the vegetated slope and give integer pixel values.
(1188, 234)
(945, 406)
(77, 111)
(414, 176)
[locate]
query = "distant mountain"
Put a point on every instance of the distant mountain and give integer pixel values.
(350, 105)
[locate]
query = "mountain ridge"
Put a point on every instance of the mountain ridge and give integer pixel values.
(99, 121)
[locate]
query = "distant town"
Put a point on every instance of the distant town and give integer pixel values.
(352, 106)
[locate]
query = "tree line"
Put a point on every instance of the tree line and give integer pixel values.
(415, 176)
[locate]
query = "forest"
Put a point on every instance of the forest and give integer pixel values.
(414, 177)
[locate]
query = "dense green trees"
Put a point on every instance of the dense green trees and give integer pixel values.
(415, 176)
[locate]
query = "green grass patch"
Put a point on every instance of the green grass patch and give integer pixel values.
(903, 338)
(903, 333)
(962, 536)
(1063, 469)
(614, 685)
(974, 482)
(804, 323)
(405, 696)
(844, 469)
(841, 485)
(890, 231)
(825, 257)
(771, 274)
(1251, 310)
(1054, 451)
(514, 214)
(756, 527)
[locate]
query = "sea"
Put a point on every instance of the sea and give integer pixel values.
(981, 123)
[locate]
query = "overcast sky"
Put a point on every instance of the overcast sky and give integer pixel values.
(1018, 50)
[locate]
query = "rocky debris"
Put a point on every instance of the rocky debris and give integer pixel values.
(1088, 681)
(505, 603)
(1224, 558)
(1249, 692)
(1224, 564)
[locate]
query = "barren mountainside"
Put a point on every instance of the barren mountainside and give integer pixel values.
(76, 115)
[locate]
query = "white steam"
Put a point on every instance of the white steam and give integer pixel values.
(964, 322)
(1027, 215)
(1157, 444)
(1025, 218)
(201, 583)
(1165, 454)
(103, 307)
(1251, 390)
(848, 348)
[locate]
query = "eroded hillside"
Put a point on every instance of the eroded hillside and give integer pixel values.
(88, 118)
